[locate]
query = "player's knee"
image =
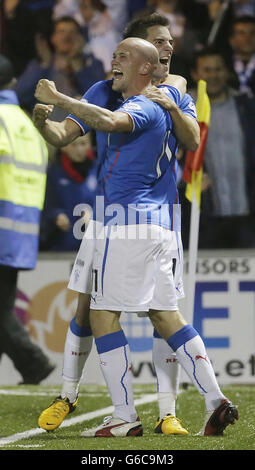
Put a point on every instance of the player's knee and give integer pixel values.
(104, 322)
(167, 323)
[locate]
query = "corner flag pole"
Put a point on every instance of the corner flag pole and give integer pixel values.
(192, 175)
(192, 258)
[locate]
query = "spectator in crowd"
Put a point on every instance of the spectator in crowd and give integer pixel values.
(24, 19)
(118, 11)
(228, 199)
(215, 31)
(135, 7)
(71, 181)
(67, 65)
(244, 7)
(242, 41)
(101, 36)
(3, 21)
(23, 162)
(65, 8)
(170, 9)
(185, 37)
(213, 28)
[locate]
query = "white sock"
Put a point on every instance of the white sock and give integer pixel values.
(167, 371)
(70, 390)
(77, 350)
(166, 404)
(192, 355)
(115, 363)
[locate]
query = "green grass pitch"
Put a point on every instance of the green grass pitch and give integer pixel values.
(21, 406)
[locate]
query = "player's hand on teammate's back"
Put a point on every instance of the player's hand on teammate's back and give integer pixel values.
(159, 96)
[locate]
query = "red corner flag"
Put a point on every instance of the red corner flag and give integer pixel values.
(192, 173)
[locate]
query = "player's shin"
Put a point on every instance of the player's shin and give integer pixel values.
(114, 353)
(78, 345)
(167, 371)
(191, 353)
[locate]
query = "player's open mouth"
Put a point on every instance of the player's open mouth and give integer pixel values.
(117, 74)
(164, 60)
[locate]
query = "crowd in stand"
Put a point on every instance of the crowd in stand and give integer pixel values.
(71, 42)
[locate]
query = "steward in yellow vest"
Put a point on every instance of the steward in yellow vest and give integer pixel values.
(23, 165)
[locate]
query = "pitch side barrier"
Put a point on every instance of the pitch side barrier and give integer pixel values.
(223, 313)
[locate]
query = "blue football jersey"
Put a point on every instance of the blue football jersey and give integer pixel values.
(102, 94)
(137, 173)
(135, 180)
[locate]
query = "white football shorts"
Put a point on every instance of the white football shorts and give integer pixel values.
(131, 272)
(81, 275)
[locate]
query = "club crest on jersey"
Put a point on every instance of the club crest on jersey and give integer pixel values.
(165, 90)
(76, 275)
(192, 106)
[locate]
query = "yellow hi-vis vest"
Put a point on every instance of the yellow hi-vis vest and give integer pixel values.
(23, 166)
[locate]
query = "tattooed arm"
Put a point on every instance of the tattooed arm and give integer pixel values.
(94, 116)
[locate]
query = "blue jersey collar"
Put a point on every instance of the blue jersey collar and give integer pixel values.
(8, 97)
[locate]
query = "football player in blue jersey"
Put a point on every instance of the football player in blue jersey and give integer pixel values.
(154, 28)
(95, 123)
(134, 274)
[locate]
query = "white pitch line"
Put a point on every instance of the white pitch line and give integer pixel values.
(22, 393)
(70, 422)
(28, 446)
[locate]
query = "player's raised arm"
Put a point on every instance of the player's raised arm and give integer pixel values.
(98, 118)
(56, 133)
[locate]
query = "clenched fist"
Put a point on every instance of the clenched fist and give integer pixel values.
(40, 114)
(46, 92)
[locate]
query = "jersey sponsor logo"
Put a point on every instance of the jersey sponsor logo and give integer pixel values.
(131, 107)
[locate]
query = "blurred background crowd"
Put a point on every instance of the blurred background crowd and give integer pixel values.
(71, 42)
